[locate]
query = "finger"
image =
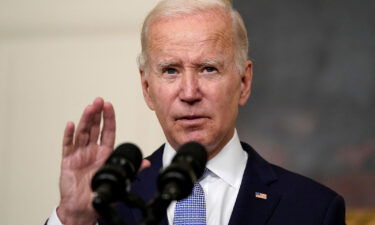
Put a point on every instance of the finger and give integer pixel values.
(108, 134)
(68, 138)
(95, 128)
(83, 129)
(145, 164)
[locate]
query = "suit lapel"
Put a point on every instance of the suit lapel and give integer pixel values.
(255, 201)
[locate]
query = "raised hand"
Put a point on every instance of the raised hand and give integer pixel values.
(84, 151)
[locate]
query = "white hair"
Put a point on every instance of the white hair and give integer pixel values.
(176, 8)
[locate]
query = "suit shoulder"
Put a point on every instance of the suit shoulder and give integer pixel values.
(304, 196)
(299, 185)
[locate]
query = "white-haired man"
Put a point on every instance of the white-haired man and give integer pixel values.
(195, 74)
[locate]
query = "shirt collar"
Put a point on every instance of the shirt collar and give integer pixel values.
(228, 164)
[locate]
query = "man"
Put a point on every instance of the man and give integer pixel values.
(195, 74)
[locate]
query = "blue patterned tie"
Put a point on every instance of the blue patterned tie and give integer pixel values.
(191, 210)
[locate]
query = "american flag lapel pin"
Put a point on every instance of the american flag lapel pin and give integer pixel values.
(260, 195)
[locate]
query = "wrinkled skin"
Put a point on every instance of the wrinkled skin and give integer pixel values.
(191, 80)
(84, 151)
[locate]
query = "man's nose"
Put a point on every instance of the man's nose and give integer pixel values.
(190, 91)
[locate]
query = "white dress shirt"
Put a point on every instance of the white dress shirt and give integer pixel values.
(224, 178)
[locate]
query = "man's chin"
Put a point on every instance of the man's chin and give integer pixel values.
(199, 137)
(210, 144)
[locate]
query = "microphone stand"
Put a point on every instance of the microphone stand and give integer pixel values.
(157, 207)
(152, 212)
(107, 211)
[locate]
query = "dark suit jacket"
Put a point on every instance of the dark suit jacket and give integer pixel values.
(291, 199)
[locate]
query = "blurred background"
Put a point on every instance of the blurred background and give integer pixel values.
(55, 58)
(311, 109)
(313, 102)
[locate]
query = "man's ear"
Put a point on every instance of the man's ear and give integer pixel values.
(146, 89)
(246, 81)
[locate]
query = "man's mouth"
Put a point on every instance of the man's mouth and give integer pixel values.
(190, 117)
(192, 120)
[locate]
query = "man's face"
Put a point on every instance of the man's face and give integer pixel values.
(192, 82)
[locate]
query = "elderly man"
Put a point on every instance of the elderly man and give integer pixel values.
(195, 74)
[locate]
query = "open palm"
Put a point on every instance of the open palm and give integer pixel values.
(84, 151)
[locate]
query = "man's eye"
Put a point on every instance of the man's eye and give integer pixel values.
(209, 69)
(170, 71)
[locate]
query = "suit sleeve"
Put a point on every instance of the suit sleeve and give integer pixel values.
(335, 214)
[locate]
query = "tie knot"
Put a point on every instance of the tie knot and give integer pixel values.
(198, 190)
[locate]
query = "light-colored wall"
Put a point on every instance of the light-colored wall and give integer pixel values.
(55, 58)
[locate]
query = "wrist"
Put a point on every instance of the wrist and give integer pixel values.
(75, 217)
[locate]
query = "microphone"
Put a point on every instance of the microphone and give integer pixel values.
(177, 180)
(112, 182)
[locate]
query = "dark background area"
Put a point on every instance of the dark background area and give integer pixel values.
(312, 107)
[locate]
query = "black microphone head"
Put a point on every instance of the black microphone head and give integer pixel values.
(129, 152)
(177, 180)
(113, 180)
(194, 154)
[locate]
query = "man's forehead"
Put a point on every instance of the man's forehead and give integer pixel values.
(189, 52)
(214, 24)
(215, 39)
(188, 31)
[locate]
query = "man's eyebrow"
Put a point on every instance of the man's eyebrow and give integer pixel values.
(166, 64)
(214, 63)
